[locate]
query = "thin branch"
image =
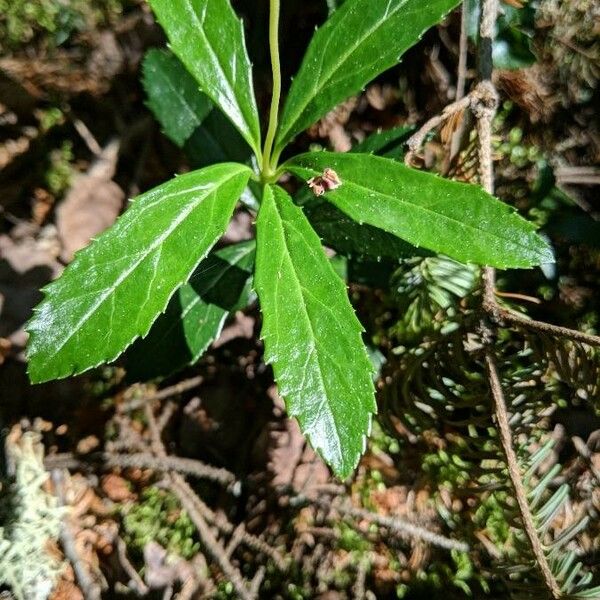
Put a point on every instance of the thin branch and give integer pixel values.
(188, 466)
(402, 528)
(484, 113)
(87, 136)
(515, 475)
(502, 314)
(89, 587)
(136, 581)
(482, 97)
(417, 139)
(187, 498)
(168, 392)
(166, 414)
(211, 544)
(362, 571)
(235, 540)
(246, 538)
(257, 580)
(144, 460)
(463, 48)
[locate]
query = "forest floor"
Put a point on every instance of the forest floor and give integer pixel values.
(199, 485)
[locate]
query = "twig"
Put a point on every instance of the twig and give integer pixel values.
(87, 136)
(89, 587)
(257, 580)
(246, 538)
(502, 314)
(136, 581)
(417, 139)
(405, 529)
(361, 577)
(235, 540)
(402, 528)
(168, 392)
(188, 466)
(515, 476)
(487, 33)
(485, 113)
(481, 97)
(463, 47)
(188, 589)
(577, 175)
(144, 460)
(166, 414)
(188, 498)
(212, 546)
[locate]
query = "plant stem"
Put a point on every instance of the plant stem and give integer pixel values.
(267, 168)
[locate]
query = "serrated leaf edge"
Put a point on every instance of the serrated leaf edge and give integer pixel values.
(546, 257)
(47, 290)
(284, 136)
(343, 468)
(146, 72)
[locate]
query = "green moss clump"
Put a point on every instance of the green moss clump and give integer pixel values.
(158, 517)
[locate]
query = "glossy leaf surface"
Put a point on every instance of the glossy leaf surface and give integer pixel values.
(311, 335)
(173, 95)
(195, 315)
(344, 235)
(389, 143)
(208, 38)
(359, 41)
(452, 218)
(217, 140)
(116, 287)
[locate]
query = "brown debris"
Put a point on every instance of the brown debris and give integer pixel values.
(531, 89)
(91, 205)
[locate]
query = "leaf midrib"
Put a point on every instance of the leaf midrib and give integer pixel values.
(330, 72)
(159, 240)
(417, 207)
(325, 395)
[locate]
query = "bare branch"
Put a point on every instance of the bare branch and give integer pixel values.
(502, 314)
(400, 527)
(463, 48)
(136, 581)
(168, 392)
(515, 475)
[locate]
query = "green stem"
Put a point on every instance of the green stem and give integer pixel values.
(267, 168)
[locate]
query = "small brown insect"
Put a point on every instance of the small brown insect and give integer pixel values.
(324, 183)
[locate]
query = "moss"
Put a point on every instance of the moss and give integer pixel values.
(52, 22)
(30, 521)
(159, 517)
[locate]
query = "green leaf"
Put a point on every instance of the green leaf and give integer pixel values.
(359, 41)
(452, 218)
(195, 315)
(347, 237)
(216, 140)
(187, 118)
(173, 95)
(116, 287)
(343, 234)
(389, 143)
(208, 38)
(311, 334)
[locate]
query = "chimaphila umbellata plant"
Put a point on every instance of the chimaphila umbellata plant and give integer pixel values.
(153, 272)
